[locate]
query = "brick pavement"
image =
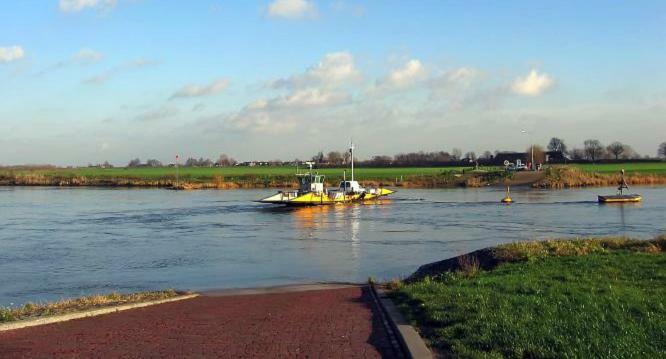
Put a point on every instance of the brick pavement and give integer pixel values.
(332, 323)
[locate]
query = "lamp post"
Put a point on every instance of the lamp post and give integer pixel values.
(177, 157)
(531, 148)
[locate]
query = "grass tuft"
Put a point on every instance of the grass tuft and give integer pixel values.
(34, 310)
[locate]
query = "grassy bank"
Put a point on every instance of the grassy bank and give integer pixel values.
(245, 177)
(609, 175)
(36, 310)
(655, 168)
(560, 298)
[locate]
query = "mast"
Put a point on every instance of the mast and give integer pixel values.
(351, 151)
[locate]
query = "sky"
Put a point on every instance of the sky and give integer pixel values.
(84, 81)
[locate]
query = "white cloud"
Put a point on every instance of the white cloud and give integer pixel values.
(72, 6)
(283, 113)
(87, 56)
(292, 9)
(11, 53)
(409, 74)
(333, 69)
(311, 97)
(192, 90)
(533, 84)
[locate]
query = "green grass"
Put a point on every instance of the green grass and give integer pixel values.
(629, 167)
(576, 300)
(202, 174)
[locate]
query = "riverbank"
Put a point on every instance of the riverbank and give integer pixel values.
(245, 177)
(283, 177)
(578, 298)
(572, 177)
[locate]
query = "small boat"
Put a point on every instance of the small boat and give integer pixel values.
(311, 191)
(620, 197)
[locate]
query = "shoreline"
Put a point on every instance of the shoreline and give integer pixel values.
(550, 178)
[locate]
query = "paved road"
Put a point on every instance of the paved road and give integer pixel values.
(332, 323)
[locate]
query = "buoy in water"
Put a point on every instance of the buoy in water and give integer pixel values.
(507, 199)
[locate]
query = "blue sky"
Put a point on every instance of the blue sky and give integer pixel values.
(92, 80)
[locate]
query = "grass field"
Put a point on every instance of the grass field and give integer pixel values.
(557, 300)
(629, 167)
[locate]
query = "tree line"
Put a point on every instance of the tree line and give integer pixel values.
(222, 161)
(592, 150)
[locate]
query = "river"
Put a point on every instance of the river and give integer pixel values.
(68, 242)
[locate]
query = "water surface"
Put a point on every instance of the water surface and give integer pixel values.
(64, 242)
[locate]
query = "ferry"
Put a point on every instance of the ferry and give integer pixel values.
(311, 191)
(621, 197)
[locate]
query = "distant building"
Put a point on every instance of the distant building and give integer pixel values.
(556, 157)
(501, 157)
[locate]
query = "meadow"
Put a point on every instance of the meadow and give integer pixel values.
(575, 175)
(585, 298)
(203, 174)
(629, 167)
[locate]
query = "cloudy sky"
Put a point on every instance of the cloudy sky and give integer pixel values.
(92, 80)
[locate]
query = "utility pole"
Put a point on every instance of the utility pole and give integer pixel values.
(531, 148)
(177, 170)
(351, 151)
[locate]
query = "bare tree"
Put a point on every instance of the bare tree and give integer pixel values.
(578, 154)
(153, 163)
(616, 149)
(471, 155)
(593, 149)
(225, 161)
(319, 158)
(539, 154)
(335, 158)
(381, 160)
(456, 154)
(661, 152)
(557, 145)
(205, 162)
(191, 162)
(134, 163)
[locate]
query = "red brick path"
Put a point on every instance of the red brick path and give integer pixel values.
(335, 323)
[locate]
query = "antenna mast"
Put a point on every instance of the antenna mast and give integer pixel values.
(351, 151)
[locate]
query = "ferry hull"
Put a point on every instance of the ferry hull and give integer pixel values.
(627, 198)
(319, 199)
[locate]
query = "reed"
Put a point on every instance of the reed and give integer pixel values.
(569, 177)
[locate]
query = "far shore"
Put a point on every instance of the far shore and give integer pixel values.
(283, 177)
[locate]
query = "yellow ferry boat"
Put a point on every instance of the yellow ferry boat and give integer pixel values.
(311, 191)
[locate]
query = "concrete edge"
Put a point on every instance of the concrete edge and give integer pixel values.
(410, 339)
(87, 313)
(289, 288)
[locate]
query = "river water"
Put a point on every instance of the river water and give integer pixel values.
(66, 242)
